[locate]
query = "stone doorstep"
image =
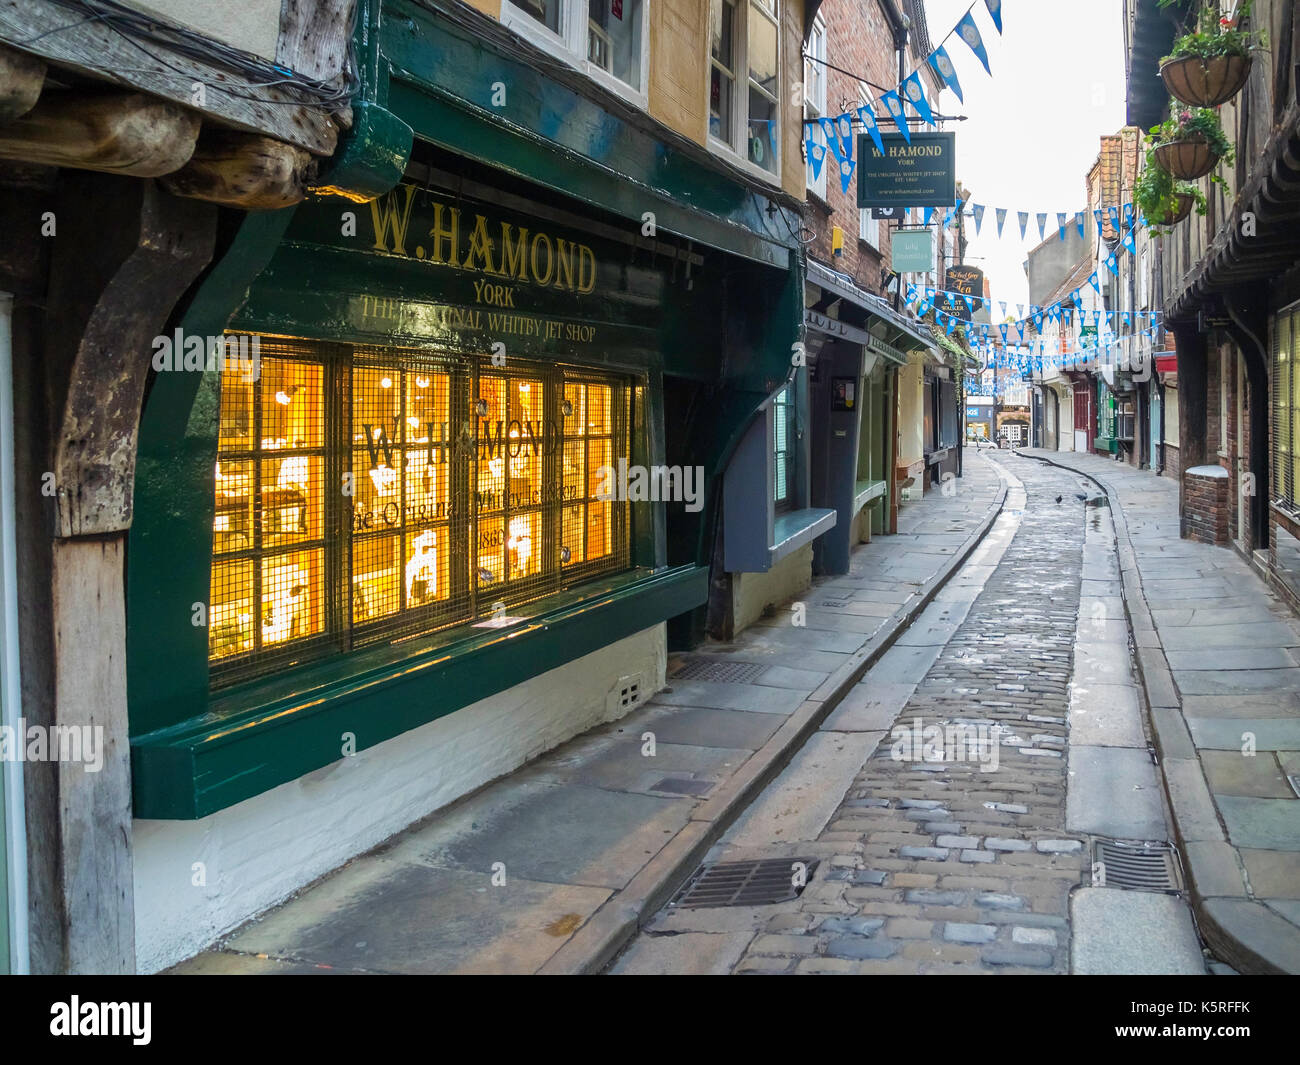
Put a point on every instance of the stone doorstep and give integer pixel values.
(1243, 933)
(599, 940)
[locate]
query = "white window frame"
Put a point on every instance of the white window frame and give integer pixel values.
(815, 103)
(739, 115)
(570, 45)
(868, 227)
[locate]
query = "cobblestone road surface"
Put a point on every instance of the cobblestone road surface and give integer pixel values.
(950, 866)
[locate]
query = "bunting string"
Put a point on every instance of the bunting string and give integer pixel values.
(838, 132)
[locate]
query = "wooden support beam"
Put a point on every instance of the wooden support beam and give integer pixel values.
(125, 253)
(97, 50)
(314, 36)
(21, 78)
(109, 297)
(244, 170)
(119, 133)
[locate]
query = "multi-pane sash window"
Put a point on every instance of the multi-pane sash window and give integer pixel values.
(814, 100)
(365, 496)
(607, 34)
(782, 481)
(1286, 409)
(745, 79)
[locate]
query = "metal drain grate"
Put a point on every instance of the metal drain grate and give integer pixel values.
(1135, 866)
(702, 668)
(682, 786)
(760, 883)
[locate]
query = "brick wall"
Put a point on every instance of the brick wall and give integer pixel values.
(1173, 461)
(858, 38)
(1205, 508)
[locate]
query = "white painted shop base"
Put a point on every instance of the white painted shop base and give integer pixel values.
(255, 854)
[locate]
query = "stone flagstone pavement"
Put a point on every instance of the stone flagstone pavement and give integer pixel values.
(1219, 655)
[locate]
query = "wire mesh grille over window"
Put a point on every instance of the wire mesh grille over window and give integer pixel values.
(365, 496)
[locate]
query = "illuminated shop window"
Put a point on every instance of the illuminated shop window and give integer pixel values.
(461, 487)
(268, 527)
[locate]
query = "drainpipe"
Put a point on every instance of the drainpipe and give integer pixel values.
(15, 827)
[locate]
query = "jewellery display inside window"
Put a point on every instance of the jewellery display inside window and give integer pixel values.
(462, 488)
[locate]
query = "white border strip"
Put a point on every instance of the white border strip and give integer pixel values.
(15, 830)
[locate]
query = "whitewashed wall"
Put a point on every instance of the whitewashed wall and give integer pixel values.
(260, 851)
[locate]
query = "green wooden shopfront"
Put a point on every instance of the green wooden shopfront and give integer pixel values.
(397, 514)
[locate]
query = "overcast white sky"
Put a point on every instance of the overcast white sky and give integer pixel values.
(1033, 128)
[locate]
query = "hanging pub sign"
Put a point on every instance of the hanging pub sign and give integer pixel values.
(965, 281)
(920, 174)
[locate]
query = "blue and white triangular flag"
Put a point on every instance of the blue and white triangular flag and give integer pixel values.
(1002, 304)
(929, 214)
(1024, 223)
(995, 10)
(1042, 226)
(847, 167)
(895, 107)
(831, 135)
(916, 94)
(970, 33)
(1002, 218)
(1094, 282)
(1113, 214)
(816, 156)
(868, 120)
(844, 127)
(943, 64)
(1078, 221)
(1062, 220)
(978, 210)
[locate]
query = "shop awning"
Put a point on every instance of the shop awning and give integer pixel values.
(892, 335)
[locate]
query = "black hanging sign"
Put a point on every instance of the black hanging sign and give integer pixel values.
(920, 174)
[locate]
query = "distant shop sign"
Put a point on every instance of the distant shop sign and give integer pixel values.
(912, 251)
(920, 174)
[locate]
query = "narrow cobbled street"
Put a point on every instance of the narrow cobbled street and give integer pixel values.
(953, 848)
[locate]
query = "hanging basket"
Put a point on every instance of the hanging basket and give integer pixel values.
(1206, 82)
(1187, 160)
(1185, 204)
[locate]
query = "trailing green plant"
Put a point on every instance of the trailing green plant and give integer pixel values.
(1217, 35)
(1156, 193)
(1195, 123)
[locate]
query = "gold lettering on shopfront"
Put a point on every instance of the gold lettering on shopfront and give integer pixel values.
(517, 254)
